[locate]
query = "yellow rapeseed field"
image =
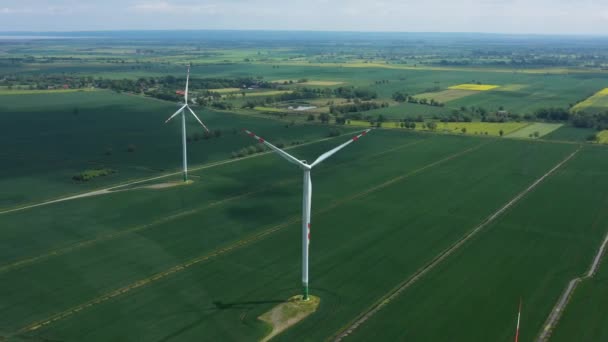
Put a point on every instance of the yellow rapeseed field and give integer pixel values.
(603, 136)
(599, 99)
(477, 87)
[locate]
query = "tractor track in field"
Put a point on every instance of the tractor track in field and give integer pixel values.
(141, 227)
(118, 187)
(438, 259)
(564, 299)
(253, 238)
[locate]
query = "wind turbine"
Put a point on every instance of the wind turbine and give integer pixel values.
(307, 195)
(183, 112)
(518, 318)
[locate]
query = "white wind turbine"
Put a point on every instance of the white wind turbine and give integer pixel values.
(307, 195)
(183, 112)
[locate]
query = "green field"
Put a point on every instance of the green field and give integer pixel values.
(96, 130)
(539, 241)
(183, 226)
(589, 301)
(417, 234)
(569, 133)
(542, 129)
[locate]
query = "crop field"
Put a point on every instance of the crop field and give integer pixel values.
(447, 95)
(475, 87)
(205, 266)
(31, 92)
(531, 253)
(97, 130)
(478, 128)
(589, 301)
(432, 232)
(529, 131)
(598, 101)
(569, 133)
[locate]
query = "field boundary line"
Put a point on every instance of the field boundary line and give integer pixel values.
(438, 259)
(561, 304)
(255, 237)
(112, 235)
(140, 227)
(117, 187)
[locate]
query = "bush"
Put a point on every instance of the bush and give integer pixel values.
(87, 175)
(334, 132)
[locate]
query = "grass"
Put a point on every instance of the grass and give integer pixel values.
(530, 253)
(226, 90)
(542, 129)
(269, 109)
(475, 87)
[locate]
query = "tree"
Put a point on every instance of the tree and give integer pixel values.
(324, 117)
(592, 137)
(501, 132)
(310, 117)
(431, 125)
(463, 130)
(536, 134)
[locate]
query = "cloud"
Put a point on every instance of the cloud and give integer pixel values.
(165, 7)
(7, 10)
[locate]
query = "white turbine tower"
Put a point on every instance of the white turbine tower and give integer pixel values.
(183, 112)
(307, 196)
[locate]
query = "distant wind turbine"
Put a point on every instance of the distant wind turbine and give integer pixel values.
(518, 318)
(182, 111)
(307, 195)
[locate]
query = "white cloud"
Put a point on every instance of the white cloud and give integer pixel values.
(8, 10)
(165, 7)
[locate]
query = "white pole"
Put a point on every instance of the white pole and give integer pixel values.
(306, 200)
(184, 146)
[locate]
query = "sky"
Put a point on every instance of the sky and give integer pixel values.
(490, 16)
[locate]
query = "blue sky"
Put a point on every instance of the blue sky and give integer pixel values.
(508, 16)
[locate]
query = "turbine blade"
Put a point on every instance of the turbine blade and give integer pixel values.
(282, 153)
(187, 80)
(331, 152)
(174, 114)
(197, 119)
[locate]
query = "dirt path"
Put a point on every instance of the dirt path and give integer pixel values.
(391, 295)
(246, 241)
(288, 314)
(563, 300)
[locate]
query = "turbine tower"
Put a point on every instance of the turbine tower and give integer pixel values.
(307, 195)
(183, 112)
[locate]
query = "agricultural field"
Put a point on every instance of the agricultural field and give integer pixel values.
(426, 233)
(474, 87)
(72, 132)
(589, 301)
(532, 244)
(598, 101)
(535, 130)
